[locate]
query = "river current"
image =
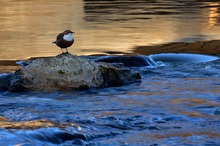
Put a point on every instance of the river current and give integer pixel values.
(177, 103)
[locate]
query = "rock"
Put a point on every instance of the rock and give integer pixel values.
(217, 111)
(67, 71)
(128, 61)
(4, 81)
(23, 62)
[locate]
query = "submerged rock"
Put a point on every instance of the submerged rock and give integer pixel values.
(217, 111)
(67, 71)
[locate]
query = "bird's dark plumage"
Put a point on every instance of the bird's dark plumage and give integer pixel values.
(64, 40)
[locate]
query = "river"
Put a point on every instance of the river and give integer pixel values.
(175, 104)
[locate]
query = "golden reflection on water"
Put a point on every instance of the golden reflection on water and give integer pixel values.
(35, 124)
(213, 14)
(27, 28)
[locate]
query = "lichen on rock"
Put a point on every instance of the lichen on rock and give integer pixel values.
(67, 71)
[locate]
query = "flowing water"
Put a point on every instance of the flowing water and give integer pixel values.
(175, 104)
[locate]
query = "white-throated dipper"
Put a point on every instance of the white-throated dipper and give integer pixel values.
(64, 40)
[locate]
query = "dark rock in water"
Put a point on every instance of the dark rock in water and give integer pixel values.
(66, 71)
(128, 61)
(217, 111)
(4, 81)
(118, 77)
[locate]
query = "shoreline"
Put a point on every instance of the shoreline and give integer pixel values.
(211, 47)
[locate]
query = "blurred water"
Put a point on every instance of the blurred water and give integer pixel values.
(176, 103)
(27, 28)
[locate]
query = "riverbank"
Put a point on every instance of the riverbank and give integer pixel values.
(199, 47)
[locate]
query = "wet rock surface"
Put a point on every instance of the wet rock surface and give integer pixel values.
(128, 61)
(4, 81)
(66, 71)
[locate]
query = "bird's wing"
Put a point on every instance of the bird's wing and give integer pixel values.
(60, 36)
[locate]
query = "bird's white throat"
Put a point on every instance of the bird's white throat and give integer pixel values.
(68, 37)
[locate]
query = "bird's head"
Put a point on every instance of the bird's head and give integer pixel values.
(67, 32)
(68, 35)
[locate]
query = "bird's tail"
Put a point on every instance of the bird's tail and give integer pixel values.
(54, 42)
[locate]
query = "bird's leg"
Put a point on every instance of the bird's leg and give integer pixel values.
(62, 50)
(67, 50)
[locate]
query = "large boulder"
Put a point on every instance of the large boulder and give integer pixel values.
(67, 71)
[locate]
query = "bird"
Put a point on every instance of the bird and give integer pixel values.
(64, 40)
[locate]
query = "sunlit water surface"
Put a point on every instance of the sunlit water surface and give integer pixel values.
(27, 28)
(176, 103)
